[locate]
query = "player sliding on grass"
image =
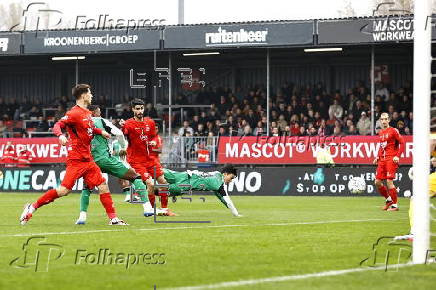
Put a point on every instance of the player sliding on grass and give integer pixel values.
(391, 147)
(203, 181)
(81, 130)
(109, 164)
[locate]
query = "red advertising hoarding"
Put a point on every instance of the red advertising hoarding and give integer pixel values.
(43, 150)
(303, 149)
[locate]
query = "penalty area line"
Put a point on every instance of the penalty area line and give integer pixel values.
(191, 227)
(285, 278)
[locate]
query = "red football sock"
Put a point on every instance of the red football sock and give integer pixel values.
(383, 191)
(152, 199)
(46, 198)
(163, 199)
(108, 204)
(393, 193)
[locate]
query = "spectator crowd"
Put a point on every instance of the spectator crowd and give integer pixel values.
(294, 111)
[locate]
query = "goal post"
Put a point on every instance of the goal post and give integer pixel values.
(422, 75)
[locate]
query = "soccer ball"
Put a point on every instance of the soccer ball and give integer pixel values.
(357, 185)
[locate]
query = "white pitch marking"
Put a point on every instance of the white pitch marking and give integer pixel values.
(284, 278)
(190, 227)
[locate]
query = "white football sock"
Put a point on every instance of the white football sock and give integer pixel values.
(147, 207)
(82, 215)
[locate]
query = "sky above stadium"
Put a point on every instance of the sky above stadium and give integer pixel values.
(206, 11)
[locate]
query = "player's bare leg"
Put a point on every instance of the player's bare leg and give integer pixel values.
(393, 194)
(48, 197)
(382, 189)
(108, 204)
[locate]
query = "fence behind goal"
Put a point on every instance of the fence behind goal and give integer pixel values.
(185, 151)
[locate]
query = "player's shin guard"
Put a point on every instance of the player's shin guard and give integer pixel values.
(84, 200)
(383, 191)
(46, 198)
(108, 204)
(393, 193)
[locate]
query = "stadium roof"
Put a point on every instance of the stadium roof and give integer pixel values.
(250, 22)
(206, 36)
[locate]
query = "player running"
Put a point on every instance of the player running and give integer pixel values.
(203, 181)
(391, 147)
(81, 130)
(140, 132)
(109, 164)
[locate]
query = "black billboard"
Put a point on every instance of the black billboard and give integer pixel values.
(10, 43)
(291, 181)
(239, 35)
(373, 30)
(87, 41)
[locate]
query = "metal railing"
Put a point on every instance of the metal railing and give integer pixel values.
(177, 150)
(182, 151)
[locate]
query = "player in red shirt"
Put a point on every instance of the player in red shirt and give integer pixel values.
(9, 155)
(81, 130)
(391, 147)
(24, 158)
(140, 131)
(155, 149)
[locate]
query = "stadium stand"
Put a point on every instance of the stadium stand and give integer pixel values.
(294, 110)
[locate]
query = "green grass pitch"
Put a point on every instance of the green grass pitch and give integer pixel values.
(277, 236)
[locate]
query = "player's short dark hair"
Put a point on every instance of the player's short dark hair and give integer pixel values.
(93, 108)
(80, 89)
(136, 102)
(229, 168)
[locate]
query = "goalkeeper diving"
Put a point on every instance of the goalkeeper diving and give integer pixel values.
(181, 182)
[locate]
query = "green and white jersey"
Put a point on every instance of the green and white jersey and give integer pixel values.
(100, 146)
(115, 148)
(200, 180)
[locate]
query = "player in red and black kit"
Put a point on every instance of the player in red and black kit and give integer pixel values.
(140, 131)
(391, 147)
(81, 130)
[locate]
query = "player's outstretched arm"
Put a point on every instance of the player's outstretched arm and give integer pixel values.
(222, 195)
